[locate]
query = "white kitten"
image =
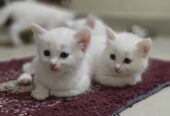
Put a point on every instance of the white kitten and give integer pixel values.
(19, 16)
(97, 41)
(96, 25)
(62, 66)
(123, 60)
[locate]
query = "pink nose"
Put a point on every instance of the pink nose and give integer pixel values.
(117, 69)
(52, 65)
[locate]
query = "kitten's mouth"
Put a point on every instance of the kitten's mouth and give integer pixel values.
(53, 67)
(117, 71)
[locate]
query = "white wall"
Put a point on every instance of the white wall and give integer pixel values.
(159, 9)
(121, 14)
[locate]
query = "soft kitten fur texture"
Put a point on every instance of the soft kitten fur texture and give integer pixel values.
(22, 14)
(61, 66)
(98, 35)
(96, 45)
(96, 25)
(123, 60)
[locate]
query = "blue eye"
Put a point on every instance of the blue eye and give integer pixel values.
(113, 56)
(127, 61)
(46, 53)
(64, 55)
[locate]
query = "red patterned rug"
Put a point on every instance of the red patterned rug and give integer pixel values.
(99, 101)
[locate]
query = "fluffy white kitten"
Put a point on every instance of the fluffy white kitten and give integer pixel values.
(61, 66)
(97, 42)
(96, 25)
(123, 60)
(18, 16)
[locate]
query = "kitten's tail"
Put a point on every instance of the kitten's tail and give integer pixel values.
(22, 85)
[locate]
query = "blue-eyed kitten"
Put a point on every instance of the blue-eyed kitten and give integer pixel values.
(123, 60)
(61, 67)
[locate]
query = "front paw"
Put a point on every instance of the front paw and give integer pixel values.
(135, 81)
(39, 95)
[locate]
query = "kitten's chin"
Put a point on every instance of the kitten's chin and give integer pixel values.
(120, 74)
(54, 68)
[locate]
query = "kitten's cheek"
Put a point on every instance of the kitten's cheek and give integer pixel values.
(46, 60)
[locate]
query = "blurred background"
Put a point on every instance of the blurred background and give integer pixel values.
(148, 18)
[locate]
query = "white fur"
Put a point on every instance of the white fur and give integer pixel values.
(30, 67)
(73, 77)
(99, 25)
(97, 41)
(96, 46)
(122, 45)
(25, 13)
(98, 35)
(25, 79)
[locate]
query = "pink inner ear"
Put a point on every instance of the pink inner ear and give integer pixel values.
(110, 35)
(144, 46)
(83, 37)
(84, 43)
(90, 21)
(37, 30)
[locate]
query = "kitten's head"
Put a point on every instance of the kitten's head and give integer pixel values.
(61, 49)
(126, 53)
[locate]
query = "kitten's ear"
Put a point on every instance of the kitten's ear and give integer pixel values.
(37, 30)
(90, 21)
(83, 38)
(110, 34)
(144, 46)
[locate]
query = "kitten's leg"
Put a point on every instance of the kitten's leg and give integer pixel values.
(111, 81)
(27, 68)
(134, 80)
(80, 88)
(15, 31)
(24, 79)
(40, 92)
(30, 67)
(66, 93)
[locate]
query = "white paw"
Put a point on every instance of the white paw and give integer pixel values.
(135, 81)
(138, 79)
(24, 79)
(39, 95)
(132, 83)
(67, 93)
